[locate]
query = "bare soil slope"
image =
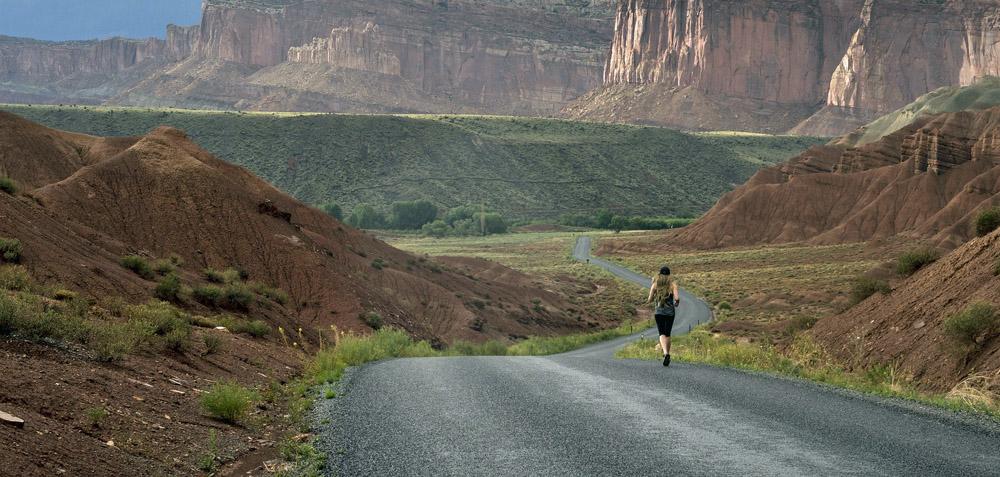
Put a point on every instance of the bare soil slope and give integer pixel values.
(925, 181)
(161, 195)
(907, 327)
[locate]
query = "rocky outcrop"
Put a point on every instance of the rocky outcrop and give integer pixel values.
(924, 181)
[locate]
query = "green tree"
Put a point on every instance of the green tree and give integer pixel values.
(604, 218)
(333, 210)
(437, 228)
(493, 223)
(411, 215)
(366, 216)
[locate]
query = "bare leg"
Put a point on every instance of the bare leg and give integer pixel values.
(665, 344)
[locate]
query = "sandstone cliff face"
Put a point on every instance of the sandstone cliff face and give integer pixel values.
(473, 56)
(771, 59)
(22, 58)
(181, 41)
(852, 60)
(764, 50)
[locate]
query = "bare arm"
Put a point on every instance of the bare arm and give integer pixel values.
(652, 290)
(677, 294)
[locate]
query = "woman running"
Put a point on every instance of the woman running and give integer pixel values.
(663, 293)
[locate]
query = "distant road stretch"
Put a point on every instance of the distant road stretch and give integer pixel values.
(585, 413)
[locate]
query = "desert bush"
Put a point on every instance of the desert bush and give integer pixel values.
(95, 416)
(378, 264)
(236, 296)
(213, 343)
(987, 221)
(255, 328)
(911, 262)
(977, 319)
(865, 287)
(138, 265)
(271, 293)
(164, 266)
(7, 185)
(10, 250)
(113, 341)
(64, 295)
(228, 402)
(229, 275)
(14, 278)
(372, 319)
(169, 288)
(172, 326)
(725, 306)
(208, 295)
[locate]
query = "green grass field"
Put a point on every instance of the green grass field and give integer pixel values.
(523, 168)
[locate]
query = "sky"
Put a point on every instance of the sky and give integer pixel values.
(87, 19)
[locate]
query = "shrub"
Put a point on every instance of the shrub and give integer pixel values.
(208, 295)
(865, 287)
(137, 265)
(213, 343)
(912, 261)
(378, 264)
(725, 306)
(274, 294)
(164, 266)
(236, 296)
(975, 320)
(987, 221)
(228, 402)
(95, 415)
(64, 295)
(7, 185)
(255, 328)
(229, 275)
(170, 324)
(10, 250)
(372, 319)
(437, 229)
(14, 278)
(169, 288)
(113, 341)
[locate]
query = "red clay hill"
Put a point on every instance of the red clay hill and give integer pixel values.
(907, 327)
(87, 201)
(925, 181)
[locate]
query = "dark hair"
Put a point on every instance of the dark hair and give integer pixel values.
(665, 270)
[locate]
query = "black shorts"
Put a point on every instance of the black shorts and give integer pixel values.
(664, 324)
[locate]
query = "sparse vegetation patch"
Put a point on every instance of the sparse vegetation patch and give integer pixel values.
(10, 250)
(987, 221)
(911, 262)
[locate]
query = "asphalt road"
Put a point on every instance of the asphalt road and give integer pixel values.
(586, 413)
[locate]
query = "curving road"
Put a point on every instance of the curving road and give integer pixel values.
(586, 413)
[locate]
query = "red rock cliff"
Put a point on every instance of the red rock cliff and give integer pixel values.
(42, 61)
(904, 49)
(760, 49)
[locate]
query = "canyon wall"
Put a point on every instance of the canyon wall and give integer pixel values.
(22, 59)
(496, 56)
(698, 63)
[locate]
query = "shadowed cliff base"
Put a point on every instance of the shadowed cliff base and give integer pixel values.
(686, 108)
